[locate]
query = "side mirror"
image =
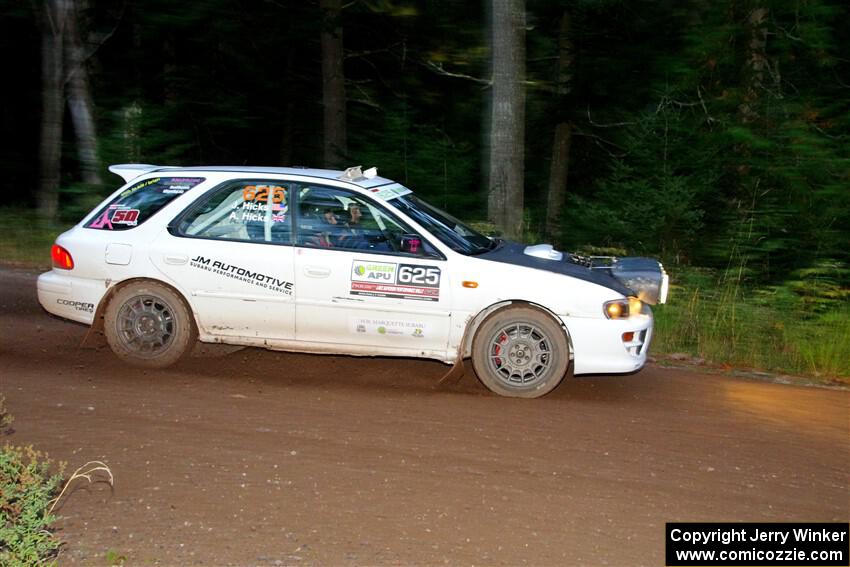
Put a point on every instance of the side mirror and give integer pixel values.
(411, 243)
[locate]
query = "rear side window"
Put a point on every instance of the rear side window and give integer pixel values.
(141, 201)
(247, 210)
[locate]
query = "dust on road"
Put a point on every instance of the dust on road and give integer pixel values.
(269, 458)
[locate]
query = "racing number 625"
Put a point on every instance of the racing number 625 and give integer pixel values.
(418, 275)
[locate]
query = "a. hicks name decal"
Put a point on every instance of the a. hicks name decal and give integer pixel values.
(402, 281)
(242, 274)
(256, 202)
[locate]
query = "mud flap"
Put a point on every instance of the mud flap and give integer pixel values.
(458, 369)
(454, 375)
(95, 338)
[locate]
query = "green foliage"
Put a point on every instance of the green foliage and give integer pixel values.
(6, 419)
(114, 557)
(655, 198)
(26, 238)
(714, 316)
(26, 489)
(76, 200)
(421, 156)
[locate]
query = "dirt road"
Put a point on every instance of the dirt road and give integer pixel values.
(276, 459)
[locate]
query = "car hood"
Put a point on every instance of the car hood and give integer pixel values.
(514, 253)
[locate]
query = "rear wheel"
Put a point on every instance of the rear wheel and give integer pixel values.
(520, 352)
(148, 324)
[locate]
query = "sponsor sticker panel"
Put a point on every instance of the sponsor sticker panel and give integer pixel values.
(141, 201)
(84, 306)
(232, 271)
(381, 326)
(400, 281)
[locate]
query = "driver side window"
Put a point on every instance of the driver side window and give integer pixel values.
(334, 218)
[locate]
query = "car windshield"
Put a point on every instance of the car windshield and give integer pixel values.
(451, 232)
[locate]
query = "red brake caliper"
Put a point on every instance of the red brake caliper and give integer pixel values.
(498, 350)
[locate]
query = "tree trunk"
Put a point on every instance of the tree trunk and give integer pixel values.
(53, 19)
(80, 102)
(131, 132)
(333, 85)
(756, 64)
(507, 130)
(286, 137)
(558, 174)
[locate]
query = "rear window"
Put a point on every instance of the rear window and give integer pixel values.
(139, 202)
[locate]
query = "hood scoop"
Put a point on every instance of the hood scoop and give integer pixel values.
(644, 276)
(545, 251)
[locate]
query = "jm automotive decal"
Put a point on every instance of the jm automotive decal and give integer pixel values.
(403, 281)
(242, 274)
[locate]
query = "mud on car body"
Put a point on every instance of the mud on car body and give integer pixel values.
(324, 261)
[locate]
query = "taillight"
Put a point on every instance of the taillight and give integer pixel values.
(61, 258)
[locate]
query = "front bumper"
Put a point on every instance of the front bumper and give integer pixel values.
(599, 348)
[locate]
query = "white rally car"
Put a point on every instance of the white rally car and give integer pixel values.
(338, 262)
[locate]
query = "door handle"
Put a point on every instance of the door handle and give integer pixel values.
(316, 271)
(176, 260)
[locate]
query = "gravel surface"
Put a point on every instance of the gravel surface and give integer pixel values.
(263, 458)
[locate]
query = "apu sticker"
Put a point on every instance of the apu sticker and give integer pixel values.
(402, 281)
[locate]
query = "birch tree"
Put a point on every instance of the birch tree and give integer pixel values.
(53, 16)
(63, 72)
(80, 103)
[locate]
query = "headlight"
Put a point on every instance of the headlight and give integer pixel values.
(622, 308)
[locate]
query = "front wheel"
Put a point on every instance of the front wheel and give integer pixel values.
(148, 324)
(520, 352)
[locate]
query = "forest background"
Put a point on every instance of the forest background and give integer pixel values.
(711, 134)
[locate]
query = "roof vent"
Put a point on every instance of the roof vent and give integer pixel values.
(352, 173)
(356, 173)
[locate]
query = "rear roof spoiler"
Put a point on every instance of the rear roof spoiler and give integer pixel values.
(129, 171)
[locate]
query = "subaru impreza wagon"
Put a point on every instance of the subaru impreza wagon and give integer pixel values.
(341, 262)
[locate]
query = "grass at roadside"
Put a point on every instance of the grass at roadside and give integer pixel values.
(25, 238)
(773, 329)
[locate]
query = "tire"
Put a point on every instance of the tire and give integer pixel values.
(520, 352)
(148, 324)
